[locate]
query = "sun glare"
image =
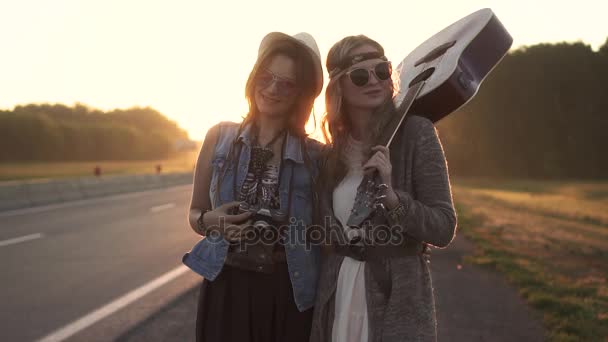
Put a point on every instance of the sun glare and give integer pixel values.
(190, 60)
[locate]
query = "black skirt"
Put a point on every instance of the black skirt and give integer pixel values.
(247, 306)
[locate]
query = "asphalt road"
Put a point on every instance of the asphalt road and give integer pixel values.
(110, 270)
(65, 262)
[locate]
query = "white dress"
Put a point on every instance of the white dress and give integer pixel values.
(350, 322)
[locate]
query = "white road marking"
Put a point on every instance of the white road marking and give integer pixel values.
(162, 207)
(108, 309)
(20, 239)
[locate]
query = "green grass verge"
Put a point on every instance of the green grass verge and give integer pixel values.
(570, 312)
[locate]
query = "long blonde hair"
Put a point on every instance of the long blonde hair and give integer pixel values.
(336, 125)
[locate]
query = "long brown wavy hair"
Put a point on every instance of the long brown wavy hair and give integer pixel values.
(336, 125)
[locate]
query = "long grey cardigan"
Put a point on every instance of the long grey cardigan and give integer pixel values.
(420, 176)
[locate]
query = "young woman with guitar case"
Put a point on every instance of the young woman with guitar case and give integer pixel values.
(384, 194)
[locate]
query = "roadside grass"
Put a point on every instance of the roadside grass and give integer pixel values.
(556, 257)
(577, 200)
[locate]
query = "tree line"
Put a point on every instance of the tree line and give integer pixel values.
(55, 132)
(541, 113)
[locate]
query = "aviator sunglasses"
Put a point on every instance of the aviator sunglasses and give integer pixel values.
(360, 76)
(285, 87)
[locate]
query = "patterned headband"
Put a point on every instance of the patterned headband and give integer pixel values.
(352, 60)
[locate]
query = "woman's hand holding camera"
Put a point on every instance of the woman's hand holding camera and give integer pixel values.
(231, 226)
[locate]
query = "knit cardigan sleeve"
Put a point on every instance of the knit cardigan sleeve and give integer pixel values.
(430, 216)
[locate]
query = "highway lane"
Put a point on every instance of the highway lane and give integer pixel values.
(63, 263)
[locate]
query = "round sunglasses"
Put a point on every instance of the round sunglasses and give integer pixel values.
(360, 76)
(285, 87)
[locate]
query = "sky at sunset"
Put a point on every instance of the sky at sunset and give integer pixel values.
(190, 59)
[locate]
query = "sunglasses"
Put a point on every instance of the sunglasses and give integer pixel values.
(284, 87)
(360, 76)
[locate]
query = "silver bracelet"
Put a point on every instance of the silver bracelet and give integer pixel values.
(200, 224)
(396, 214)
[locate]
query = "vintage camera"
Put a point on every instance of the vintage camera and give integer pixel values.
(259, 248)
(266, 224)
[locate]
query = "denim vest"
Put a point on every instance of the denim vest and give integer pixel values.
(208, 255)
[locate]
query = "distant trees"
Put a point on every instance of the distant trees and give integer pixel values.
(604, 48)
(60, 133)
(542, 113)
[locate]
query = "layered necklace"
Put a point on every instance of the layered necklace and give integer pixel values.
(261, 155)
